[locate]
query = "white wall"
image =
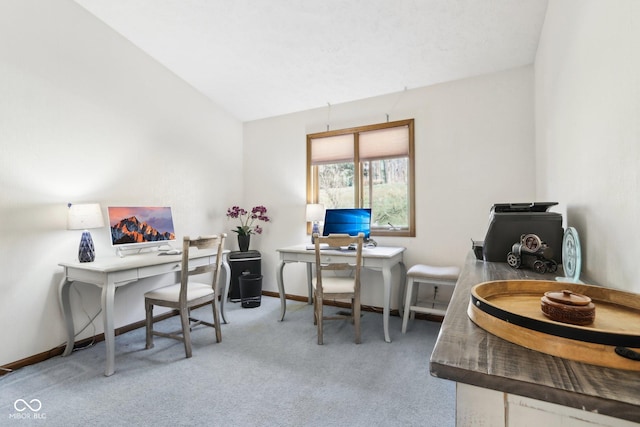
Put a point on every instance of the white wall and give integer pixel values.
(86, 117)
(587, 107)
(474, 147)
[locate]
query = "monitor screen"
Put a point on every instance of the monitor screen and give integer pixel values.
(347, 221)
(141, 225)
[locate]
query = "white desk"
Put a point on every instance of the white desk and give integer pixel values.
(379, 258)
(112, 272)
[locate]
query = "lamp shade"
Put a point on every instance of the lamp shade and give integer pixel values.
(84, 216)
(315, 212)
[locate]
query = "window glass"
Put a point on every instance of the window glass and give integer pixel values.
(335, 185)
(385, 184)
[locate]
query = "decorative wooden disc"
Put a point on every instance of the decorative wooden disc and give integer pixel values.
(567, 297)
(568, 307)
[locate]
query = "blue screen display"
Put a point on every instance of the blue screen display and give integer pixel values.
(347, 221)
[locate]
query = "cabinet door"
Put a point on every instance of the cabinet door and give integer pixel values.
(476, 406)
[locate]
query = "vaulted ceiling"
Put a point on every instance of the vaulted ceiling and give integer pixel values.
(259, 59)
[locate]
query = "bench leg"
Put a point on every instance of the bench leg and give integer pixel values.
(407, 304)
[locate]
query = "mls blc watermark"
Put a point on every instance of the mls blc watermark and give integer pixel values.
(31, 410)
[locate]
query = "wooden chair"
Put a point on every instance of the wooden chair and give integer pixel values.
(189, 293)
(337, 286)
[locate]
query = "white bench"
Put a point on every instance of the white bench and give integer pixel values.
(427, 274)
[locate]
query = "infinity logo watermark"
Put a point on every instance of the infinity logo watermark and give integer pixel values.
(21, 405)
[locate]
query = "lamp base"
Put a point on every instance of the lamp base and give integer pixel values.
(314, 230)
(86, 251)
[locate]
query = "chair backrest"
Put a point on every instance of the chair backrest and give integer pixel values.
(345, 242)
(216, 243)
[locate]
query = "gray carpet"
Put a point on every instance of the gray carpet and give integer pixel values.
(263, 373)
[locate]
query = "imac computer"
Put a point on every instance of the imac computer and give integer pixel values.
(134, 228)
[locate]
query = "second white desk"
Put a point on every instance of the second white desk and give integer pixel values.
(380, 258)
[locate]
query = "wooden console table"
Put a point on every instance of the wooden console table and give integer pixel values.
(503, 384)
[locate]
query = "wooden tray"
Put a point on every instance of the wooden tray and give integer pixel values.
(511, 310)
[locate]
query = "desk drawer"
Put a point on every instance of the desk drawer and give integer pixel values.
(86, 276)
(197, 262)
(100, 278)
(172, 267)
(310, 256)
(327, 259)
(155, 270)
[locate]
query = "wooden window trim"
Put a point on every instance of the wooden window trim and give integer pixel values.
(312, 172)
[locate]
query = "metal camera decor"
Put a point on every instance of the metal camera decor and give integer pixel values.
(532, 252)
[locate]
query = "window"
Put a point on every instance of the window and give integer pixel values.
(366, 167)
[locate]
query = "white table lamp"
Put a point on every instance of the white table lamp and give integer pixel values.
(84, 217)
(315, 214)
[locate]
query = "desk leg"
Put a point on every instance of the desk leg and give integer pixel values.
(402, 290)
(227, 282)
(283, 298)
(309, 281)
(108, 292)
(65, 304)
(386, 276)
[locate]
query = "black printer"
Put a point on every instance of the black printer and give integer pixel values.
(508, 221)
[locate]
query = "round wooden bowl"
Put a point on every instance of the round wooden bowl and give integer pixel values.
(568, 307)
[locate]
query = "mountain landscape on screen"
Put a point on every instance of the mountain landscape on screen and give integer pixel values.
(131, 230)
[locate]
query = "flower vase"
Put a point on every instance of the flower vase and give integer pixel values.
(243, 242)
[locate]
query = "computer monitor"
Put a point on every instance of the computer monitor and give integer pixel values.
(135, 227)
(347, 221)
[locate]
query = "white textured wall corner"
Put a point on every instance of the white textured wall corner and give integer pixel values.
(588, 133)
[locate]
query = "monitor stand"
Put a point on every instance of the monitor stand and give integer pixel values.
(132, 250)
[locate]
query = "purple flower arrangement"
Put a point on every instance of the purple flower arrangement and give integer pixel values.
(246, 227)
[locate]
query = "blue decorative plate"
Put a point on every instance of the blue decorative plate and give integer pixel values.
(571, 255)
